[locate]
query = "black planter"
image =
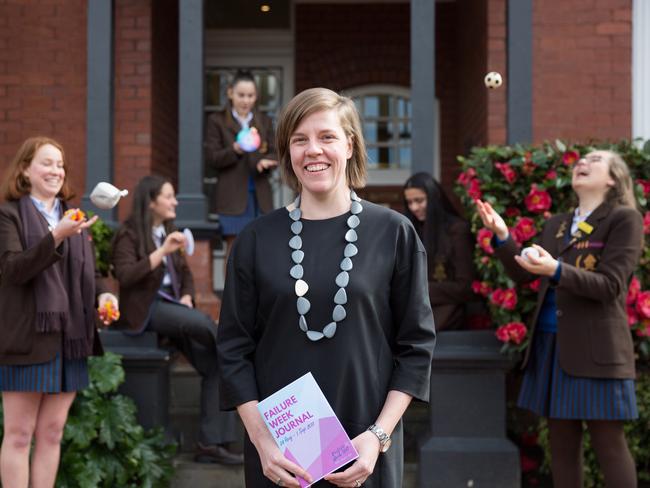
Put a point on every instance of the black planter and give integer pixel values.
(467, 446)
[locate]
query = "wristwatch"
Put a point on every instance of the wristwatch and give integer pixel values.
(384, 438)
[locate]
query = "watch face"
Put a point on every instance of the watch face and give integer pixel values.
(386, 445)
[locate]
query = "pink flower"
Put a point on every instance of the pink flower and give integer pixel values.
(481, 288)
(506, 170)
(524, 229)
(514, 332)
(504, 298)
(512, 212)
(485, 260)
(643, 304)
(534, 285)
(632, 316)
(484, 240)
(474, 189)
(467, 176)
(633, 290)
(646, 186)
(570, 157)
(646, 223)
(537, 201)
(644, 331)
(551, 174)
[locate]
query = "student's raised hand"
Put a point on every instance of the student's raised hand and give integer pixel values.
(70, 225)
(492, 220)
(367, 445)
(173, 242)
(544, 264)
(264, 163)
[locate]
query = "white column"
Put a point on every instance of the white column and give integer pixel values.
(641, 69)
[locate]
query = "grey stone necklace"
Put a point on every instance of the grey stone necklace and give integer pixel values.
(342, 279)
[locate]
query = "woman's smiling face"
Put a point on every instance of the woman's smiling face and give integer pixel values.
(319, 151)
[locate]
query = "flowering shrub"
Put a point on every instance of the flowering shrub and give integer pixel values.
(527, 185)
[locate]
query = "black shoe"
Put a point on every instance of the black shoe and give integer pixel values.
(217, 454)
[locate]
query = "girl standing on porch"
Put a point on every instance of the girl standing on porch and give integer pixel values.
(243, 188)
(48, 288)
(580, 362)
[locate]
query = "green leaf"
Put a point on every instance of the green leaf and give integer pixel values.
(646, 147)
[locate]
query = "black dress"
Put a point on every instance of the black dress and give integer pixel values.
(385, 342)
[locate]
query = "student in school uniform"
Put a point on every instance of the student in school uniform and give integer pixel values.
(579, 365)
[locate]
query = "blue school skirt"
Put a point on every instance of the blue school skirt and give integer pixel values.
(232, 225)
(55, 376)
(550, 392)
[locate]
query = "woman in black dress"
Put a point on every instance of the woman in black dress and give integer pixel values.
(450, 246)
(332, 285)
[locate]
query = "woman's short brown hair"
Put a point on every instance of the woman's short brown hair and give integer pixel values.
(16, 184)
(310, 102)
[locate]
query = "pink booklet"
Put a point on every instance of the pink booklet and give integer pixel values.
(306, 428)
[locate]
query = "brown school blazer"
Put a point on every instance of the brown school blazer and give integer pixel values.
(139, 284)
(233, 169)
(593, 336)
(20, 344)
(450, 285)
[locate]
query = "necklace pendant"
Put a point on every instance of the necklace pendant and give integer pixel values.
(296, 227)
(356, 208)
(303, 305)
(301, 287)
(353, 221)
(296, 272)
(295, 243)
(297, 256)
(314, 335)
(346, 264)
(342, 279)
(341, 297)
(339, 313)
(302, 323)
(295, 214)
(330, 330)
(350, 250)
(351, 236)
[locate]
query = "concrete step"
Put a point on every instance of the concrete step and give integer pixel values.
(192, 475)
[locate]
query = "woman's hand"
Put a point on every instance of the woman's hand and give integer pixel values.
(237, 148)
(367, 445)
(187, 301)
(173, 242)
(492, 220)
(276, 466)
(68, 227)
(544, 265)
(264, 164)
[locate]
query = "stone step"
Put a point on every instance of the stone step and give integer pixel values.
(192, 475)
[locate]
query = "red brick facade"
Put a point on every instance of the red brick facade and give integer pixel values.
(43, 78)
(582, 52)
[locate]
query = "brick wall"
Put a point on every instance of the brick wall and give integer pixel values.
(582, 69)
(343, 46)
(496, 61)
(133, 95)
(43, 78)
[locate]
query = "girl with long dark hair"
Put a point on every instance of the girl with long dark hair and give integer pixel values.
(157, 293)
(449, 244)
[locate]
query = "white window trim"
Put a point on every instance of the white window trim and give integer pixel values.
(377, 177)
(641, 69)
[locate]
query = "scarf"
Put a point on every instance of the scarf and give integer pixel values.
(64, 292)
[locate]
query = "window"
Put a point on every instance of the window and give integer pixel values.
(386, 118)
